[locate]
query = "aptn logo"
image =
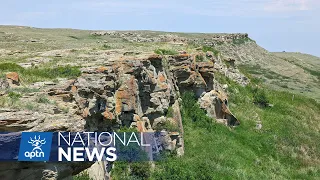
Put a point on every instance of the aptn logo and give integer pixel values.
(35, 146)
(36, 151)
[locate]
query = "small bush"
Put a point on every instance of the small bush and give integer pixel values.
(106, 46)
(193, 114)
(141, 169)
(208, 48)
(260, 97)
(170, 112)
(165, 52)
(14, 95)
(43, 99)
(133, 170)
(240, 41)
(168, 126)
(200, 58)
(82, 176)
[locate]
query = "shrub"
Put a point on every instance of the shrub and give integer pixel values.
(166, 52)
(240, 41)
(43, 99)
(168, 126)
(82, 176)
(132, 162)
(141, 169)
(106, 46)
(193, 114)
(260, 97)
(208, 48)
(134, 170)
(200, 58)
(14, 95)
(170, 112)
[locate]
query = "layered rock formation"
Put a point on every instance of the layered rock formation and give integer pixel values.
(132, 92)
(138, 37)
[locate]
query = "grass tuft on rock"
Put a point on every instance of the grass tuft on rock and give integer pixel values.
(165, 52)
(208, 48)
(31, 75)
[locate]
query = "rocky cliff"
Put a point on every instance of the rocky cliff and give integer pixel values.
(131, 92)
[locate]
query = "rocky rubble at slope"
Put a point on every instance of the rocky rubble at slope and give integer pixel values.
(213, 39)
(132, 92)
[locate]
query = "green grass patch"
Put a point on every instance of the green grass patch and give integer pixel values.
(169, 112)
(11, 100)
(30, 75)
(24, 90)
(106, 47)
(168, 126)
(200, 58)
(94, 37)
(43, 99)
(165, 52)
(14, 95)
(129, 171)
(252, 70)
(260, 97)
(310, 71)
(208, 48)
(274, 152)
(241, 41)
(82, 176)
(133, 162)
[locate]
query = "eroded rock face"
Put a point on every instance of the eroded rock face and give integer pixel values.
(127, 93)
(134, 93)
(216, 104)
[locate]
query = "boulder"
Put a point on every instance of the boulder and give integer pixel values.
(13, 79)
(216, 105)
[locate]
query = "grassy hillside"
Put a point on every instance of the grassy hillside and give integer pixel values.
(294, 72)
(287, 146)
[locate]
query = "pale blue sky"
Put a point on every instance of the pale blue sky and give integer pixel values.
(277, 25)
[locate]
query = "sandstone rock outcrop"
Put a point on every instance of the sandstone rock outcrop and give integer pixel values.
(13, 79)
(216, 104)
(136, 93)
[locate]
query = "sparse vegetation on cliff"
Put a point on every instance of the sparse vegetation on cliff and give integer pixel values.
(241, 41)
(82, 176)
(30, 75)
(208, 48)
(165, 52)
